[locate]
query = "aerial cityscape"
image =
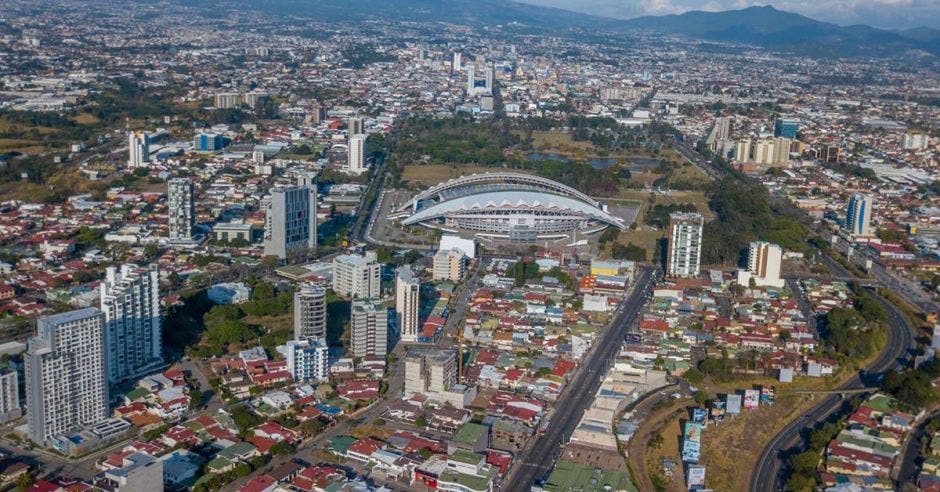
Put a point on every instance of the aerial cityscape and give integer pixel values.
(469, 246)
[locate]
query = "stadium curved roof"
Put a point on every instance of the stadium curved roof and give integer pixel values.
(498, 181)
(508, 200)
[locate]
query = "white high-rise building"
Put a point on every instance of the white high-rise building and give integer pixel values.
(226, 100)
(915, 141)
(723, 127)
(130, 299)
(291, 218)
(257, 158)
(449, 264)
(764, 262)
(858, 215)
(434, 373)
(307, 360)
(781, 150)
(763, 151)
(369, 333)
(66, 375)
(407, 303)
(355, 126)
(310, 312)
(356, 158)
(685, 245)
(138, 150)
(9, 396)
(181, 209)
(455, 65)
(430, 371)
(471, 79)
(742, 150)
(479, 87)
(357, 276)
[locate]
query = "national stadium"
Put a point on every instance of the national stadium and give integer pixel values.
(507, 206)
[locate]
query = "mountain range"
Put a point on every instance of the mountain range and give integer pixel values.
(785, 31)
(765, 27)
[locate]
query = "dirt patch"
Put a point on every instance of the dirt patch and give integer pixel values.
(654, 439)
(86, 119)
(730, 450)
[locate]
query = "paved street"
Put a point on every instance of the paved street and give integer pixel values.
(899, 347)
(305, 451)
(794, 285)
(534, 463)
(907, 464)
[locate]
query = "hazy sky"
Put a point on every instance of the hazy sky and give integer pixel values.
(879, 13)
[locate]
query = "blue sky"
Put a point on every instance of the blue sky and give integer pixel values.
(879, 13)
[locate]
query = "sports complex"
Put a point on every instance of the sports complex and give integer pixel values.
(507, 206)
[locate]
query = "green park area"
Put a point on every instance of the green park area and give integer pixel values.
(625, 168)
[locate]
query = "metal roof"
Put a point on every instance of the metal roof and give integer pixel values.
(508, 200)
(501, 179)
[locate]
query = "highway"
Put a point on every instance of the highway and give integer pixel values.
(900, 345)
(769, 472)
(534, 463)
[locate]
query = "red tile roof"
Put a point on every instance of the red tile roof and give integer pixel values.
(257, 484)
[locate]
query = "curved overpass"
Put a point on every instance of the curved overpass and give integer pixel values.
(768, 475)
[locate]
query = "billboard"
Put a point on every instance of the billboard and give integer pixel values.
(696, 478)
(734, 404)
(718, 410)
(691, 451)
(692, 443)
(751, 399)
(693, 432)
(699, 416)
(767, 395)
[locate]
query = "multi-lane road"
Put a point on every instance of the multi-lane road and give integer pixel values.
(536, 461)
(901, 345)
(768, 475)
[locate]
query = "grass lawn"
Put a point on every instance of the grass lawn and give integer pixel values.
(749, 434)
(643, 237)
(22, 145)
(691, 174)
(730, 450)
(651, 198)
(561, 143)
(70, 180)
(365, 430)
(646, 236)
(280, 323)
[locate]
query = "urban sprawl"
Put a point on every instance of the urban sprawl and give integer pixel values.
(257, 254)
